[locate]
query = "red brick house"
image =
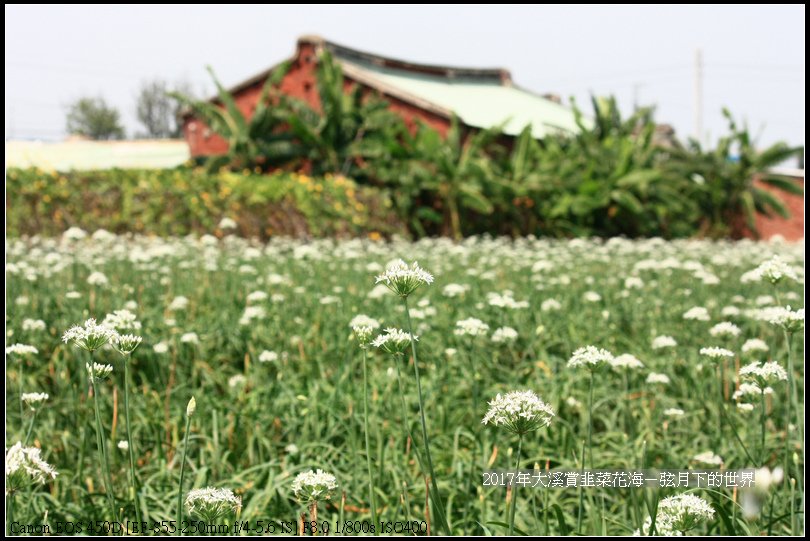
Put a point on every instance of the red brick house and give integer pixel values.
(791, 229)
(481, 98)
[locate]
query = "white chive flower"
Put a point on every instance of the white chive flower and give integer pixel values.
(730, 311)
(773, 270)
(685, 511)
(236, 381)
(313, 486)
(661, 342)
(708, 458)
(211, 503)
(32, 325)
(25, 466)
(363, 334)
(520, 412)
(98, 371)
(402, 279)
(697, 313)
(97, 279)
(590, 357)
(256, 296)
(454, 290)
(34, 400)
(122, 320)
(674, 412)
(748, 388)
(362, 320)
(178, 303)
(754, 345)
(504, 335)
(626, 361)
(791, 321)
(655, 377)
(764, 373)
(126, 344)
(633, 282)
(573, 403)
(227, 223)
(89, 337)
(123, 445)
(471, 327)
(726, 328)
(268, 356)
(663, 527)
(74, 233)
(21, 349)
(765, 479)
(251, 313)
(190, 338)
(550, 305)
(393, 341)
(716, 353)
(592, 296)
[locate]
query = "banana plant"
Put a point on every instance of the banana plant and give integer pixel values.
(605, 179)
(351, 127)
(261, 140)
(730, 180)
(455, 172)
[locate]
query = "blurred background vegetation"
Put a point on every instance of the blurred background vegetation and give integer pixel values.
(354, 168)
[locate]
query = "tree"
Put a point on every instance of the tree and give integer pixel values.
(93, 118)
(259, 141)
(156, 110)
(351, 128)
(730, 179)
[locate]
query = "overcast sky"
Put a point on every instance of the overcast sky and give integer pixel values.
(753, 56)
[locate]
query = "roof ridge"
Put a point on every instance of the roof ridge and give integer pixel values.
(500, 75)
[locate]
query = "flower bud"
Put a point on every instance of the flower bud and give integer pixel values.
(192, 406)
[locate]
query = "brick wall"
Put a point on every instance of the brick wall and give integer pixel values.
(299, 82)
(791, 228)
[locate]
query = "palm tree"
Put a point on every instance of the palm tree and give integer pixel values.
(727, 180)
(608, 179)
(351, 127)
(454, 173)
(259, 141)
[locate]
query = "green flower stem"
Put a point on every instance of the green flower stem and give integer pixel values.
(513, 503)
(405, 424)
(474, 375)
(793, 407)
(762, 428)
(590, 422)
(437, 499)
(20, 374)
(131, 444)
(722, 404)
(30, 428)
(182, 474)
(371, 497)
(102, 451)
(9, 511)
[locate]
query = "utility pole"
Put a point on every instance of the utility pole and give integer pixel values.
(699, 95)
(636, 86)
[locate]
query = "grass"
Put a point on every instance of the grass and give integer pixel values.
(305, 409)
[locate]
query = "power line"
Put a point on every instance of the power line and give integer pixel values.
(764, 67)
(625, 74)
